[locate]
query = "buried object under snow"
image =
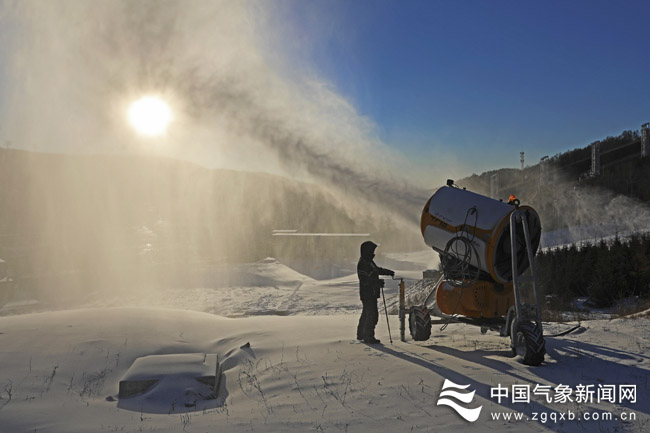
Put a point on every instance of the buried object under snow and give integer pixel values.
(167, 383)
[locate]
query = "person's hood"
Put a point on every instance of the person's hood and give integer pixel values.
(368, 250)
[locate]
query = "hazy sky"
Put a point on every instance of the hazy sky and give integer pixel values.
(483, 80)
(444, 84)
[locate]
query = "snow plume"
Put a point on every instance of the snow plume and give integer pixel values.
(570, 210)
(573, 211)
(591, 214)
(78, 64)
(68, 73)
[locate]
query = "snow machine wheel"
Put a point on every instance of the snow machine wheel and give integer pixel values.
(528, 342)
(420, 323)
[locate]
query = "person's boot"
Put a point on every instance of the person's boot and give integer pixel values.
(371, 340)
(360, 331)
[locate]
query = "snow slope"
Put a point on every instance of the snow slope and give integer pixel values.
(267, 287)
(60, 370)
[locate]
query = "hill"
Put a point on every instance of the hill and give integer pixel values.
(118, 220)
(566, 195)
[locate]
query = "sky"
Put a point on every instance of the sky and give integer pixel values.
(482, 80)
(452, 86)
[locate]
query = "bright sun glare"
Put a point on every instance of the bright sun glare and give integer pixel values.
(150, 115)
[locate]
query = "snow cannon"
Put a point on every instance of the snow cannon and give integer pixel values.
(487, 249)
(452, 214)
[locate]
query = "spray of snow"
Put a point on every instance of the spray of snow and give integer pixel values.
(72, 68)
(75, 66)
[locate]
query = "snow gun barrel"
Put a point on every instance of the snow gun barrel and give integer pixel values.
(484, 223)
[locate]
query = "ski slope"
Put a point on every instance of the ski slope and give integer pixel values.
(290, 362)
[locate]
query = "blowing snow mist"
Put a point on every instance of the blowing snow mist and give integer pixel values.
(74, 67)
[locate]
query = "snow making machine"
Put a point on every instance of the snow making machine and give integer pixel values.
(487, 250)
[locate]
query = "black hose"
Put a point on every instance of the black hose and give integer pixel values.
(457, 257)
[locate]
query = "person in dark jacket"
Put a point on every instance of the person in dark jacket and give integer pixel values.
(369, 290)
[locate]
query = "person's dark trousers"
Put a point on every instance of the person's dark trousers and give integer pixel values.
(368, 320)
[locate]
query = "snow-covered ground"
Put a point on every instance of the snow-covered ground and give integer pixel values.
(289, 362)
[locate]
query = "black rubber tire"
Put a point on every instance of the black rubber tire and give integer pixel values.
(528, 342)
(420, 323)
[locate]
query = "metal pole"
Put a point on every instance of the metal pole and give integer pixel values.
(514, 218)
(531, 265)
(402, 312)
(386, 311)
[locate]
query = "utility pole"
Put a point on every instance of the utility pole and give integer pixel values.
(645, 140)
(543, 171)
(494, 186)
(595, 158)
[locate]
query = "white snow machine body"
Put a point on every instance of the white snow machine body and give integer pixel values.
(487, 250)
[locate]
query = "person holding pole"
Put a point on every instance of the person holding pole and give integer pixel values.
(370, 286)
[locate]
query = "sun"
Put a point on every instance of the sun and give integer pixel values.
(150, 115)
